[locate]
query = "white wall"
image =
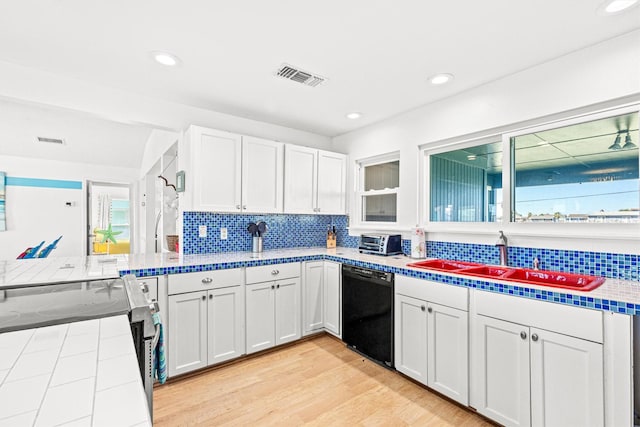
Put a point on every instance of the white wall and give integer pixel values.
(36, 214)
(600, 73)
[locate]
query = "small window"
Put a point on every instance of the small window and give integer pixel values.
(587, 172)
(466, 184)
(379, 183)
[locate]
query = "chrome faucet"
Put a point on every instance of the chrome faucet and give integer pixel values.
(502, 246)
(536, 263)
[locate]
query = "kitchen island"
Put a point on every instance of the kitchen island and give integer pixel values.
(82, 374)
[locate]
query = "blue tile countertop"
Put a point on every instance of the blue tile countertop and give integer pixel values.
(616, 295)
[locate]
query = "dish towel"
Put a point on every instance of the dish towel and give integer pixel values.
(159, 360)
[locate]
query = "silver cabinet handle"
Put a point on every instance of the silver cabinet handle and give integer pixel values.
(534, 337)
(238, 207)
(275, 272)
(244, 207)
(277, 286)
(204, 297)
(210, 296)
(207, 280)
(523, 335)
(422, 307)
(430, 310)
(273, 287)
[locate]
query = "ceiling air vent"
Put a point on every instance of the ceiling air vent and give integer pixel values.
(292, 73)
(51, 140)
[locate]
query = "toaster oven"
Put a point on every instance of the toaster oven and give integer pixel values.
(380, 244)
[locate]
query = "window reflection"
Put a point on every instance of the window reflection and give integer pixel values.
(466, 184)
(586, 172)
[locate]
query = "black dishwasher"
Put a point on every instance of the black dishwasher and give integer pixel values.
(367, 313)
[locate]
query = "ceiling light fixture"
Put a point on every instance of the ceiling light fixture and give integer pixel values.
(628, 144)
(616, 143)
(441, 78)
(165, 58)
(353, 116)
(613, 7)
(471, 157)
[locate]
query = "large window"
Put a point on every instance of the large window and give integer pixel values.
(379, 183)
(587, 172)
(466, 184)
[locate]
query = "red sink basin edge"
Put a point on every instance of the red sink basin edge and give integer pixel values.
(554, 279)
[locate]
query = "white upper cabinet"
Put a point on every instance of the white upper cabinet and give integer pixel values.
(226, 172)
(300, 179)
(315, 181)
(262, 175)
(213, 170)
(332, 181)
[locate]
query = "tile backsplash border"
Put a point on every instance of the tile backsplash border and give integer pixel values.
(297, 231)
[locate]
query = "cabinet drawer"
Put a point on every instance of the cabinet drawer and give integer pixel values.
(204, 280)
(439, 293)
(265, 273)
(574, 321)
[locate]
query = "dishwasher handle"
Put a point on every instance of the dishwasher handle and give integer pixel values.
(365, 273)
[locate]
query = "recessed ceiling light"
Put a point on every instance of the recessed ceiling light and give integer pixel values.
(471, 157)
(354, 115)
(440, 79)
(165, 58)
(612, 7)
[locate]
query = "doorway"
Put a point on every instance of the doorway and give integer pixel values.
(109, 226)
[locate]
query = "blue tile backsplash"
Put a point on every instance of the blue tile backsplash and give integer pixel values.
(291, 231)
(284, 231)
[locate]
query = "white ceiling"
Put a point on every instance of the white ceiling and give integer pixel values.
(87, 139)
(376, 54)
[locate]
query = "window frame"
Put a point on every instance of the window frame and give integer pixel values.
(360, 166)
(611, 231)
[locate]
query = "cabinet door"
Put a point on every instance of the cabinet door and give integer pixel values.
(217, 159)
(448, 352)
(332, 179)
(260, 314)
(567, 385)
(502, 371)
(313, 296)
(411, 337)
(287, 310)
(332, 297)
(225, 319)
(262, 175)
(188, 337)
(300, 179)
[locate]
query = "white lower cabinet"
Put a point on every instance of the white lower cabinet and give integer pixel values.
(204, 327)
(313, 297)
(272, 307)
(188, 337)
(332, 301)
(431, 338)
(322, 306)
(525, 375)
(448, 351)
(225, 324)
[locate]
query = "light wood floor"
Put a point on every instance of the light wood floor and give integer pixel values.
(318, 382)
